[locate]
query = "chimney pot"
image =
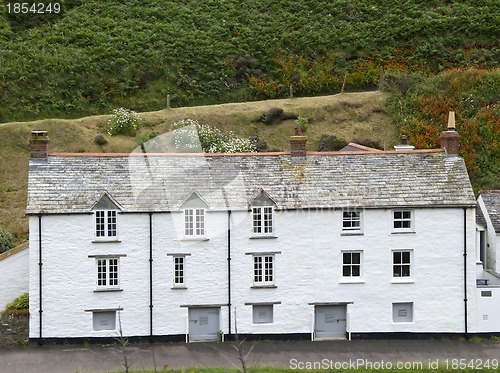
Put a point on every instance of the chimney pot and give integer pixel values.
(39, 144)
(451, 121)
(404, 144)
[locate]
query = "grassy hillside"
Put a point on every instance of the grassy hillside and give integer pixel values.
(348, 116)
(96, 55)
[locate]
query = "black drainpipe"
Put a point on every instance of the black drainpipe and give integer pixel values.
(40, 263)
(229, 269)
(151, 276)
(465, 269)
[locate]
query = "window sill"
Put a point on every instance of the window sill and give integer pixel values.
(353, 233)
(194, 239)
(179, 287)
(106, 290)
(352, 281)
(403, 232)
(262, 237)
(403, 281)
(263, 287)
(106, 240)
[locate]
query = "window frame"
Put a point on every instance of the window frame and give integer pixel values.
(352, 229)
(351, 265)
(109, 275)
(196, 216)
(265, 215)
(179, 273)
(103, 312)
(261, 269)
(403, 220)
(402, 264)
(107, 229)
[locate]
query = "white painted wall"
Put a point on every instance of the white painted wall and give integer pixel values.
(492, 240)
(308, 270)
(14, 275)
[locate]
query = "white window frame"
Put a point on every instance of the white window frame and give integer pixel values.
(194, 222)
(352, 265)
(402, 263)
(263, 220)
(403, 220)
(350, 220)
(107, 272)
(263, 269)
(106, 225)
(179, 268)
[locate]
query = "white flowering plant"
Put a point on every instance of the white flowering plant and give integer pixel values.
(124, 122)
(189, 135)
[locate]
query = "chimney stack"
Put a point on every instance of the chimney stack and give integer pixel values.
(39, 144)
(298, 145)
(450, 139)
(404, 145)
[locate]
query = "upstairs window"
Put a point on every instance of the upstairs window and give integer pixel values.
(263, 270)
(262, 218)
(401, 263)
(107, 273)
(403, 221)
(351, 264)
(351, 221)
(194, 222)
(105, 224)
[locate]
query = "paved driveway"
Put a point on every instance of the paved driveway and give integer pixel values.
(410, 354)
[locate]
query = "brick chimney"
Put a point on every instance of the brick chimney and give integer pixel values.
(298, 145)
(450, 139)
(39, 144)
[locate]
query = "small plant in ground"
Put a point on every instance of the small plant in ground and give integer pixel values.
(100, 139)
(124, 122)
(146, 136)
(302, 123)
(328, 143)
(20, 303)
(5, 240)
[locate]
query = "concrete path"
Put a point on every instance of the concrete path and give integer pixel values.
(403, 354)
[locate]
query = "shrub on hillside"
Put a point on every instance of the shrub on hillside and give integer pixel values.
(146, 136)
(189, 135)
(100, 139)
(20, 303)
(302, 123)
(5, 240)
(367, 142)
(328, 143)
(276, 115)
(124, 122)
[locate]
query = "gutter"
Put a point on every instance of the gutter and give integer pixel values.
(229, 269)
(40, 263)
(151, 276)
(465, 271)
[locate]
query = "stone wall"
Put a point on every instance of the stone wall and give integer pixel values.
(13, 329)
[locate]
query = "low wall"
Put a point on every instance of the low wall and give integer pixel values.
(14, 329)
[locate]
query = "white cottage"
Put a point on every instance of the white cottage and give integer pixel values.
(352, 244)
(488, 264)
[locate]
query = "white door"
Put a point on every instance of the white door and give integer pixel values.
(330, 322)
(203, 324)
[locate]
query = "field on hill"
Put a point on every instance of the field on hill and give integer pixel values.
(95, 55)
(348, 116)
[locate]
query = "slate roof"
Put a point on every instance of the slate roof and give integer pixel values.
(73, 183)
(491, 199)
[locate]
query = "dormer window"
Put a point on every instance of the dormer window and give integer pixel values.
(105, 224)
(262, 209)
(106, 211)
(262, 220)
(194, 222)
(194, 209)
